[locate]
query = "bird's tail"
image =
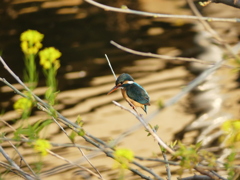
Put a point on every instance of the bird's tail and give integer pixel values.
(144, 107)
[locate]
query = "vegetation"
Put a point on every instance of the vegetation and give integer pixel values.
(193, 158)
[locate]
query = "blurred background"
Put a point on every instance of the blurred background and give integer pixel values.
(82, 32)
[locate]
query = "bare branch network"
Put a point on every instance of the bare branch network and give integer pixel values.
(98, 146)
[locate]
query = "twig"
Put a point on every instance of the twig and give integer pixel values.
(167, 166)
(65, 121)
(22, 158)
(165, 57)
(147, 127)
(174, 99)
(25, 87)
(216, 174)
(150, 171)
(27, 176)
(52, 143)
(211, 30)
(86, 158)
(45, 107)
(72, 163)
(108, 153)
(14, 170)
(100, 176)
(65, 167)
(177, 97)
(158, 15)
(234, 3)
(12, 87)
(193, 84)
(197, 177)
(211, 175)
(157, 160)
(111, 67)
(27, 140)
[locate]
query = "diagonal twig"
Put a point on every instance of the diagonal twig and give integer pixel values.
(212, 31)
(13, 164)
(165, 57)
(147, 127)
(158, 15)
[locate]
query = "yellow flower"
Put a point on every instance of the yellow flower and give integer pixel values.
(42, 145)
(49, 57)
(24, 46)
(231, 128)
(57, 64)
(231, 125)
(124, 157)
(31, 41)
(32, 36)
(22, 104)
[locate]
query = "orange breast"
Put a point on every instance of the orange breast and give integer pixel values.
(131, 101)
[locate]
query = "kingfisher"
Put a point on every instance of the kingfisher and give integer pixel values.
(132, 92)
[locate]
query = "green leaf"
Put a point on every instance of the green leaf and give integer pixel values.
(73, 135)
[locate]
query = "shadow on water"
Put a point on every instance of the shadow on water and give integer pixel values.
(82, 33)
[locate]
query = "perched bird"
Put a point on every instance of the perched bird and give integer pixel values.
(132, 92)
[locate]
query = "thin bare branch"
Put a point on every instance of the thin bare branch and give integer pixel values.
(211, 30)
(158, 15)
(13, 164)
(14, 170)
(233, 3)
(72, 163)
(165, 57)
(109, 64)
(86, 158)
(46, 105)
(147, 127)
(167, 166)
(22, 158)
(193, 84)
(209, 174)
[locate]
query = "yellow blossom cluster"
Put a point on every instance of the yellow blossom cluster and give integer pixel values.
(124, 157)
(42, 145)
(231, 129)
(22, 104)
(31, 41)
(49, 58)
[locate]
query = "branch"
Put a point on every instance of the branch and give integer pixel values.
(16, 171)
(212, 31)
(233, 3)
(165, 57)
(108, 153)
(197, 177)
(13, 164)
(83, 154)
(23, 159)
(72, 163)
(158, 15)
(193, 84)
(209, 174)
(148, 128)
(109, 64)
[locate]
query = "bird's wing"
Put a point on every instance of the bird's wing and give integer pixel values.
(137, 93)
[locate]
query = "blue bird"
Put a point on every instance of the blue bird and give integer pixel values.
(132, 92)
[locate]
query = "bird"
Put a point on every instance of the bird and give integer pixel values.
(132, 92)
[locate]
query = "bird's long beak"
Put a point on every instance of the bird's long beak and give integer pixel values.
(113, 89)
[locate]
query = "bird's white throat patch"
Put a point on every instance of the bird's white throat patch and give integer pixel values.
(130, 82)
